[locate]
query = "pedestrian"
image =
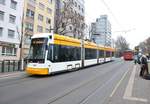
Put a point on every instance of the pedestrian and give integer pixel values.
(138, 58)
(135, 59)
(144, 66)
(148, 56)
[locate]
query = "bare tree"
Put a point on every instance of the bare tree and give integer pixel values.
(142, 46)
(78, 24)
(145, 46)
(121, 45)
(65, 17)
(148, 45)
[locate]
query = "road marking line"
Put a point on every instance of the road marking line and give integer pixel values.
(118, 84)
(129, 89)
(136, 99)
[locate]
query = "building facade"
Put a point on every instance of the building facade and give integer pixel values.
(78, 10)
(10, 28)
(38, 18)
(101, 31)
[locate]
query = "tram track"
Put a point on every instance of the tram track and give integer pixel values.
(101, 87)
(86, 83)
(16, 81)
(29, 78)
(58, 87)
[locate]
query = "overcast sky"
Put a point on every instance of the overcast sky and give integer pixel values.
(124, 15)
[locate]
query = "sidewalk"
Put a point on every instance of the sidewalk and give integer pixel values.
(12, 74)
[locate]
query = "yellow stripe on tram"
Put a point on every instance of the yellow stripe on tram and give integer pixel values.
(38, 71)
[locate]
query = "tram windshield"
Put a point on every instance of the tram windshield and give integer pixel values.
(37, 50)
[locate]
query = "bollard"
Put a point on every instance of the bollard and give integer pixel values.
(3, 67)
(8, 65)
(13, 65)
(18, 65)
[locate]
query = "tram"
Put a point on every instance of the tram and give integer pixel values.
(128, 55)
(50, 53)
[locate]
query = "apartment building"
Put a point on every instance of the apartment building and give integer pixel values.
(77, 8)
(10, 28)
(38, 18)
(101, 31)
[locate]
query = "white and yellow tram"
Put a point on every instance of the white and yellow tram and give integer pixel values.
(51, 53)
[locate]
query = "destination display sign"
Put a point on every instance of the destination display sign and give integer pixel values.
(38, 41)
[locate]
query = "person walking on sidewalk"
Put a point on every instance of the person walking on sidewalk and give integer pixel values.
(135, 59)
(144, 66)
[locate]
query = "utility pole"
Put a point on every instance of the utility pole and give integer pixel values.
(21, 61)
(105, 47)
(21, 43)
(82, 45)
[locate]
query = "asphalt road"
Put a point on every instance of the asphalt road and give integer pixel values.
(101, 84)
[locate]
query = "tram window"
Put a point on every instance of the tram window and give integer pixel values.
(101, 54)
(66, 53)
(90, 53)
(107, 54)
(112, 54)
(50, 55)
(78, 53)
(56, 53)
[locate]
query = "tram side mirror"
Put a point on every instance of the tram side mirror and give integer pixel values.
(46, 47)
(50, 37)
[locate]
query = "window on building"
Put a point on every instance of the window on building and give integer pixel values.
(82, 10)
(50, 1)
(12, 18)
(48, 21)
(29, 26)
(75, 4)
(40, 29)
(3, 51)
(40, 17)
(1, 31)
(33, 1)
(27, 39)
(71, 10)
(30, 13)
(9, 51)
(70, 27)
(47, 30)
(13, 4)
(49, 10)
(79, 7)
(1, 15)
(63, 25)
(2, 2)
(75, 12)
(41, 6)
(11, 33)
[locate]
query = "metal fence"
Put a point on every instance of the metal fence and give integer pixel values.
(11, 66)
